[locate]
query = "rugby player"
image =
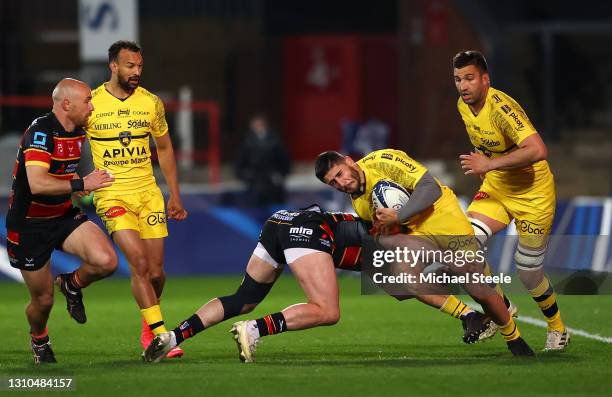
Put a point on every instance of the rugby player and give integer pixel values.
(132, 208)
(41, 217)
(311, 242)
(517, 183)
(432, 214)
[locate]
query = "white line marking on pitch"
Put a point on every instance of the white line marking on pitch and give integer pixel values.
(573, 331)
(542, 324)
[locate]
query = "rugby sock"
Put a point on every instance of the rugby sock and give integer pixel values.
(153, 317)
(455, 307)
(510, 331)
(76, 281)
(546, 299)
(42, 338)
(188, 328)
(271, 324)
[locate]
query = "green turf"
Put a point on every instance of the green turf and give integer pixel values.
(380, 347)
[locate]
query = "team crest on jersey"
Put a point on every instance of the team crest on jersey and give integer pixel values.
(481, 196)
(125, 137)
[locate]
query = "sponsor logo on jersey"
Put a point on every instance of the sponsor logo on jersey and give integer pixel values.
(29, 262)
(156, 218)
(496, 98)
(516, 119)
(481, 196)
(324, 242)
(140, 113)
(489, 142)
(387, 156)
(104, 114)
(106, 126)
(138, 124)
(284, 215)
(506, 109)
(125, 137)
(123, 112)
(115, 211)
(411, 167)
(458, 243)
(300, 233)
(368, 158)
(530, 227)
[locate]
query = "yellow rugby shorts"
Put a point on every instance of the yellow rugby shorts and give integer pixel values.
(141, 211)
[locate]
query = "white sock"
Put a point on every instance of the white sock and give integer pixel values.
(252, 329)
(172, 339)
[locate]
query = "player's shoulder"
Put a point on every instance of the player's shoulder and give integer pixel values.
(499, 100)
(96, 92)
(379, 155)
(44, 123)
(143, 93)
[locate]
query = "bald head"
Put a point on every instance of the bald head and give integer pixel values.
(67, 89)
(72, 103)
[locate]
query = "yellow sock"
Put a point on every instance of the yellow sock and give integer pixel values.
(510, 331)
(153, 317)
(455, 307)
(546, 299)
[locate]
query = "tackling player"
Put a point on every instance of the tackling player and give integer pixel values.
(311, 242)
(41, 217)
(132, 209)
(510, 157)
(432, 213)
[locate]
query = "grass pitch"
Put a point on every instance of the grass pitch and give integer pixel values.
(380, 347)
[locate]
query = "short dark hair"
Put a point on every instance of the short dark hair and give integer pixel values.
(117, 46)
(470, 57)
(325, 161)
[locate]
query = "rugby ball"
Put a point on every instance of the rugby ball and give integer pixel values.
(388, 194)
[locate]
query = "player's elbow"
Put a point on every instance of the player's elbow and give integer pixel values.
(330, 316)
(541, 153)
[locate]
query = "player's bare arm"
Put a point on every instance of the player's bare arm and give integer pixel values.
(42, 183)
(531, 150)
(167, 163)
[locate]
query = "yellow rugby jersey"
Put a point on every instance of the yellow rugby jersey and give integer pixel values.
(386, 164)
(499, 127)
(119, 131)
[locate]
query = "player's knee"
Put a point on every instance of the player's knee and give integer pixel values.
(106, 262)
(482, 231)
(43, 302)
(246, 298)
(157, 276)
(140, 266)
(529, 259)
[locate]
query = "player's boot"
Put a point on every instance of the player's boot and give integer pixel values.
(246, 342)
(43, 353)
(158, 349)
(518, 347)
(557, 340)
(147, 336)
(74, 299)
(477, 327)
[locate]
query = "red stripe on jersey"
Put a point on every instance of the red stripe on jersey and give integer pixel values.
(348, 217)
(66, 177)
(13, 237)
(350, 257)
(37, 155)
(328, 230)
(39, 210)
